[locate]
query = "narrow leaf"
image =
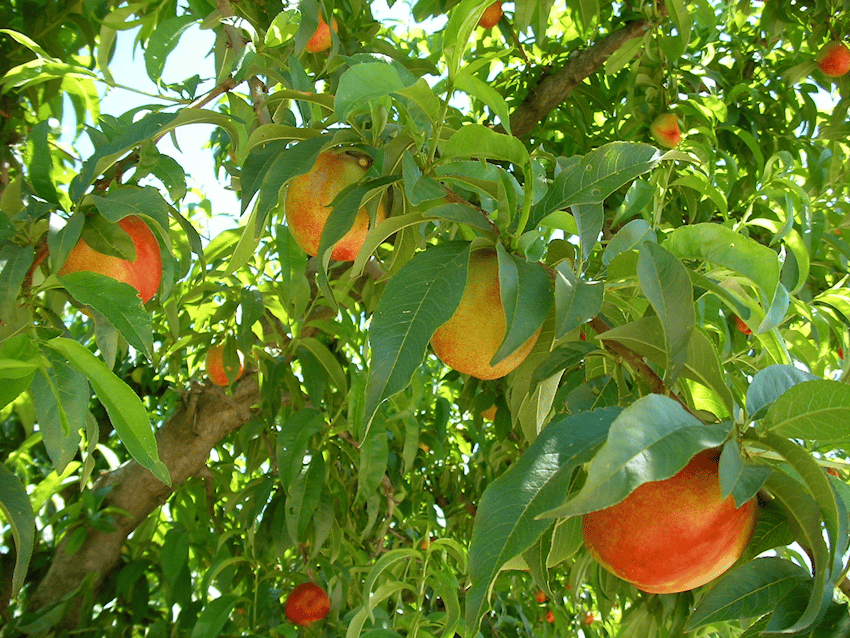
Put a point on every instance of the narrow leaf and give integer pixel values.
(594, 177)
(665, 282)
(214, 615)
(748, 591)
(421, 297)
(770, 383)
(818, 410)
(18, 512)
(576, 301)
(125, 409)
(723, 246)
(526, 295)
(118, 302)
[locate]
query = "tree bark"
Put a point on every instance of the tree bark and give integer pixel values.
(554, 89)
(206, 416)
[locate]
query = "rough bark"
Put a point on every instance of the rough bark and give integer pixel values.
(554, 89)
(207, 415)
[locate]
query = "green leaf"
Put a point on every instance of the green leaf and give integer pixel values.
(812, 410)
(651, 440)
(269, 168)
(418, 187)
(345, 208)
(801, 508)
(293, 443)
(562, 358)
(817, 482)
(595, 176)
(374, 453)
(174, 554)
(60, 242)
(421, 297)
(127, 200)
(507, 523)
(163, 40)
(125, 409)
(61, 399)
(576, 301)
(629, 237)
(723, 246)
(526, 295)
(39, 160)
(667, 286)
(107, 237)
(748, 591)
(303, 496)
(118, 302)
(463, 18)
(147, 128)
(18, 512)
(364, 82)
(214, 615)
(589, 218)
(476, 140)
(15, 262)
(770, 383)
(19, 361)
(477, 88)
(741, 480)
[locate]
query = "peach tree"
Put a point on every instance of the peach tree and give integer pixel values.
(685, 299)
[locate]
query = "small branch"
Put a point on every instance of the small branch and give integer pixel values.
(238, 42)
(454, 198)
(270, 450)
(656, 383)
(517, 43)
(223, 87)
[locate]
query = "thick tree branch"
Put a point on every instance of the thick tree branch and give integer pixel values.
(555, 88)
(184, 442)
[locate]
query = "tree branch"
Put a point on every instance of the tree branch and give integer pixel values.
(184, 443)
(554, 89)
(656, 383)
(238, 42)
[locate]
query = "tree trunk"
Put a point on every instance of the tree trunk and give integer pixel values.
(206, 416)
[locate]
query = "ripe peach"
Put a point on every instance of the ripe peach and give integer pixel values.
(491, 16)
(834, 59)
(742, 327)
(672, 535)
(308, 199)
(306, 604)
(143, 273)
(540, 596)
(550, 616)
(490, 413)
(665, 130)
(469, 340)
(321, 39)
(214, 365)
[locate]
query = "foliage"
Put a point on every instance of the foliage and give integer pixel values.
(139, 499)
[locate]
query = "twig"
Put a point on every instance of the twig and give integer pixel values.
(238, 42)
(656, 383)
